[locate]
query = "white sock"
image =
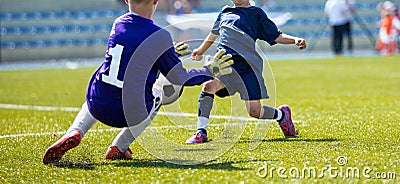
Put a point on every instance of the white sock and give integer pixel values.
(202, 122)
(279, 116)
(123, 139)
(83, 121)
(128, 134)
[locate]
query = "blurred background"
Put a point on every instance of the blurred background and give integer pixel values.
(56, 30)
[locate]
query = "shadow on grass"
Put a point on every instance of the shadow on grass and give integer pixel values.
(86, 164)
(145, 163)
(291, 139)
(149, 163)
(194, 149)
(75, 165)
(163, 164)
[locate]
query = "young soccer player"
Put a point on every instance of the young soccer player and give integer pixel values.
(134, 40)
(238, 28)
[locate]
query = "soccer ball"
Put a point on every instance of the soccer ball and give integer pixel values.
(171, 92)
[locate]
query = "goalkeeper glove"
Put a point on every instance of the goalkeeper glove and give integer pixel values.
(219, 64)
(181, 49)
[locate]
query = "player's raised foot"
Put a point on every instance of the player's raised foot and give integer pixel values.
(199, 137)
(113, 153)
(55, 152)
(286, 122)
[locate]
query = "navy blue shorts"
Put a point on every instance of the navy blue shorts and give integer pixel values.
(247, 83)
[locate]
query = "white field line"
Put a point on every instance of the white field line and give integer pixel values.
(76, 109)
(39, 108)
(118, 129)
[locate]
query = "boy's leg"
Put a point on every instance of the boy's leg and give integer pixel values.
(119, 148)
(82, 123)
(205, 105)
(282, 115)
(256, 110)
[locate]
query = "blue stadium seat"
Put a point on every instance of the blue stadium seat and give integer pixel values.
(53, 43)
(3, 31)
(8, 45)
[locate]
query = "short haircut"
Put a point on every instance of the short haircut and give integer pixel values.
(140, 1)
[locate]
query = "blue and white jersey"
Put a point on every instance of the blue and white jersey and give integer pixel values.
(239, 28)
(132, 40)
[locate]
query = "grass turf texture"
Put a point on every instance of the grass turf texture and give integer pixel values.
(345, 107)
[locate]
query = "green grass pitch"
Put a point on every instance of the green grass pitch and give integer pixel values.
(346, 108)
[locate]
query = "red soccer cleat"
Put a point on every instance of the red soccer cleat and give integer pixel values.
(55, 152)
(114, 154)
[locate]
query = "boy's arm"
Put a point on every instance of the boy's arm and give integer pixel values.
(287, 39)
(197, 54)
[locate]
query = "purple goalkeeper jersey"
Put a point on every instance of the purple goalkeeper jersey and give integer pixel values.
(150, 48)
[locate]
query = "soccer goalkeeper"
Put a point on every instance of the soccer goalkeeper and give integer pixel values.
(238, 28)
(134, 41)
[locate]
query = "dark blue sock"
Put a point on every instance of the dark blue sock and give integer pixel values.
(203, 130)
(206, 101)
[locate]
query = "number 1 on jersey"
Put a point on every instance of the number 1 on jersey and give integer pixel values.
(112, 79)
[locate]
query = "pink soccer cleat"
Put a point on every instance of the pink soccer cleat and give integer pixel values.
(286, 122)
(198, 137)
